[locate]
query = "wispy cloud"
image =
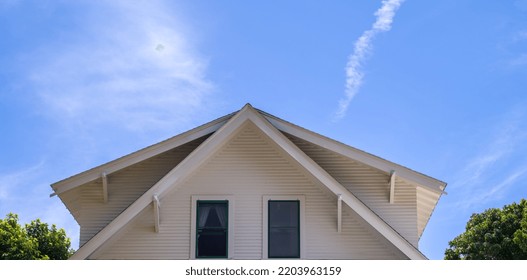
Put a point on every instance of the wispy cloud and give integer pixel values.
(111, 65)
(16, 180)
(518, 40)
(501, 146)
(514, 49)
(488, 175)
(354, 75)
(131, 64)
(495, 190)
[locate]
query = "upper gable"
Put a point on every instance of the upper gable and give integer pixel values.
(248, 167)
(275, 129)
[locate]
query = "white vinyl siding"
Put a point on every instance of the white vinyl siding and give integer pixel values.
(248, 168)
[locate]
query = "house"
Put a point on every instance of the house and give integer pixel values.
(250, 186)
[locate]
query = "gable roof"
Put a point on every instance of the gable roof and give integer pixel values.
(223, 129)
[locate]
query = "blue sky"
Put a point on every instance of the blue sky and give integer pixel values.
(437, 86)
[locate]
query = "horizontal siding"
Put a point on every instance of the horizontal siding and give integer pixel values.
(371, 186)
(124, 187)
(248, 167)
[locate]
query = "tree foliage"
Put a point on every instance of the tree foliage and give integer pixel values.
(495, 234)
(34, 241)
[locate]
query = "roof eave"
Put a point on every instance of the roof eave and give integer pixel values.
(374, 161)
(138, 156)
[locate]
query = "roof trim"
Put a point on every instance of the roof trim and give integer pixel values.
(404, 173)
(189, 165)
(138, 156)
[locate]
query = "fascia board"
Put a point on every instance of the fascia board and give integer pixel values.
(404, 173)
(136, 157)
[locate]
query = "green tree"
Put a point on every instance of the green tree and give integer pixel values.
(34, 241)
(495, 234)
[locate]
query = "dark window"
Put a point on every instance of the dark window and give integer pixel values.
(284, 229)
(212, 220)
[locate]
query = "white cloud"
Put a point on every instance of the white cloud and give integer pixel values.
(122, 63)
(131, 64)
(513, 48)
(354, 75)
(501, 146)
(498, 188)
(488, 192)
(9, 182)
(488, 175)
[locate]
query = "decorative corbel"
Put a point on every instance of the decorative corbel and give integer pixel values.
(157, 206)
(339, 213)
(104, 187)
(392, 187)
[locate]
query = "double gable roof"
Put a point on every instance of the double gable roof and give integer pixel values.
(284, 135)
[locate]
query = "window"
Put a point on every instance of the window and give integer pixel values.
(283, 228)
(212, 219)
(216, 212)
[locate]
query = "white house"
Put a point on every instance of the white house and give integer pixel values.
(250, 186)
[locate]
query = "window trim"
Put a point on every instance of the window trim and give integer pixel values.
(230, 224)
(265, 222)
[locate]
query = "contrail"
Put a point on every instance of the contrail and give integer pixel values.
(354, 74)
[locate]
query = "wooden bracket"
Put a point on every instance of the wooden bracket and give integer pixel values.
(339, 213)
(104, 187)
(157, 206)
(392, 187)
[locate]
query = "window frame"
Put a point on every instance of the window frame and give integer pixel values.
(270, 227)
(194, 227)
(224, 202)
(265, 224)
